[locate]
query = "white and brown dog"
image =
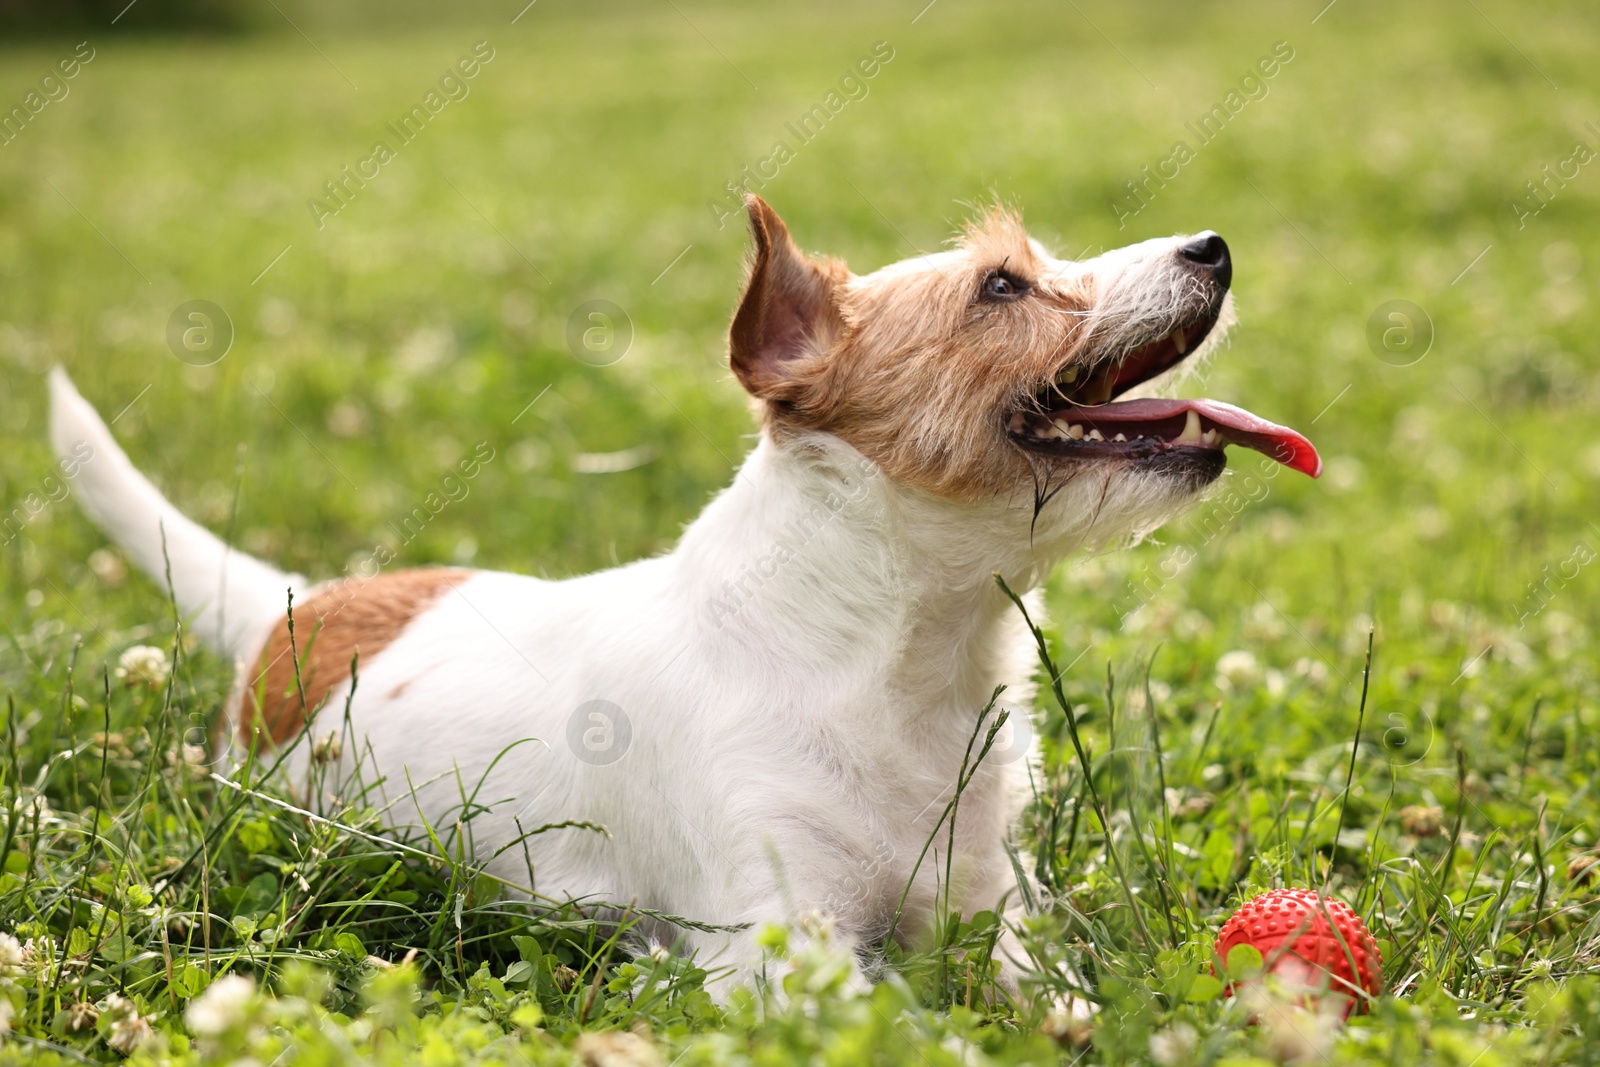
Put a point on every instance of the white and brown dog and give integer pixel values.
(769, 719)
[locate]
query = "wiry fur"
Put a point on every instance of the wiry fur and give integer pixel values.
(802, 674)
(918, 377)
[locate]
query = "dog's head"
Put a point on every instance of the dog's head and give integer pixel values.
(993, 372)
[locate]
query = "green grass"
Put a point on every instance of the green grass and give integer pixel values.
(425, 316)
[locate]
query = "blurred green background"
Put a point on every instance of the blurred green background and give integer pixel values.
(584, 163)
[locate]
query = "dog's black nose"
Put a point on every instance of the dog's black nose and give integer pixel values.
(1210, 251)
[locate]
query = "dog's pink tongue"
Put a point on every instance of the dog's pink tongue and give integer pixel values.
(1268, 438)
(1237, 425)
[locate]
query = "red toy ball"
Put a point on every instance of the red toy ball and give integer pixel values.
(1291, 930)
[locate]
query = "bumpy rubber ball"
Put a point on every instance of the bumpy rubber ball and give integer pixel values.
(1291, 929)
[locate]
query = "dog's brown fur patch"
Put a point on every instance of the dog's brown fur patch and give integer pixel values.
(908, 365)
(337, 622)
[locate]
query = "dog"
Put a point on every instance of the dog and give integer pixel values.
(769, 720)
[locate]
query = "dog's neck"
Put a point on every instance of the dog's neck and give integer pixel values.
(814, 564)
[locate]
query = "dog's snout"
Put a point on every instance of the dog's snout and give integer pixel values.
(1210, 251)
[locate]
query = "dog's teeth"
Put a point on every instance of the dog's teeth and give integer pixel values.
(1018, 423)
(1068, 376)
(1191, 430)
(1180, 342)
(1120, 437)
(1062, 427)
(1075, 432)
(1211, 437)
(1095, 435)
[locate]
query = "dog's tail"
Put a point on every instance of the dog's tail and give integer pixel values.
(228, 598)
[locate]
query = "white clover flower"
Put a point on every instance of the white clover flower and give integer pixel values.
(108, 567)
(128, 1034)
(128, 1030)
(80, 1015)
(1290, 1033)
(1313, 670)
(1238, 668)
(30, 805)
(221, 1007)
(327, 748)
(38, 953)
(617, 1048)
(11, 961)
(1174, 1046)
(143, 665)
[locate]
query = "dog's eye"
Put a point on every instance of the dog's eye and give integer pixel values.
(1002, 286)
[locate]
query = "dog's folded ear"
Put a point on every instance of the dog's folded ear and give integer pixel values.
(789, 311)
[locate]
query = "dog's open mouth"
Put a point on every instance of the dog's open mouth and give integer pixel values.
(1077, 415)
